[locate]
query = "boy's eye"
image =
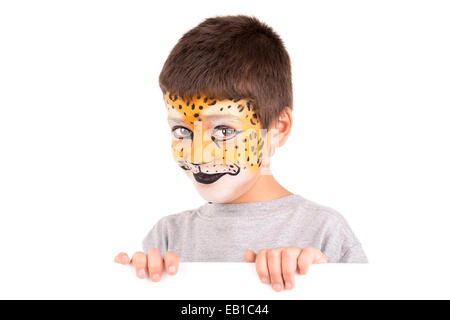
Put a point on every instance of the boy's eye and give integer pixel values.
(223, 133)
(182, 133)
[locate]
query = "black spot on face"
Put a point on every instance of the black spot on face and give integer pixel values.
(206, 99)
(251, 121)
(229, 107)
(193, 106)
(221, 109)
(212, 103)
(201, 107)
(236, 100)
(261, 146)
(179, 106)
(176, 97)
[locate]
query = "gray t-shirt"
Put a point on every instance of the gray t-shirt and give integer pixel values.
(217, 232)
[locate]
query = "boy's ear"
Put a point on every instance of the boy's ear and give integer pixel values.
(280, 129)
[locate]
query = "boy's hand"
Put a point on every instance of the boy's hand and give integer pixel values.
(278, 266)
(151, 264)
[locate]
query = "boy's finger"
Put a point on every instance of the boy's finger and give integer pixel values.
(261, 266)
(171, 262)
(155, 264)
(139, 260)
(250, 256)
(309, 256)
(274, 263)
(289, 258)
(122, 258)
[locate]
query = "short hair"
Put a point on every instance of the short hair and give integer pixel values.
(229, 57)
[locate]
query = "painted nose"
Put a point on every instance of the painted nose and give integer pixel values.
(202, 148)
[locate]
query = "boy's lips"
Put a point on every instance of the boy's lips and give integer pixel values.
(207, 178)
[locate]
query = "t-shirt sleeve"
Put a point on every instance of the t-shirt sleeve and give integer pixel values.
(354, 254)
(340, 243)
(157, 238)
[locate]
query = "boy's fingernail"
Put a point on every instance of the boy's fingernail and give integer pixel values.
(156, 276)
(172, 269)
(276, 287)
(288, 285)
(141, 273)
(265, 279)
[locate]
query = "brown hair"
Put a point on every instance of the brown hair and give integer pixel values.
(228, 57)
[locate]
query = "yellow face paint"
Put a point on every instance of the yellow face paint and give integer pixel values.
(214, 138)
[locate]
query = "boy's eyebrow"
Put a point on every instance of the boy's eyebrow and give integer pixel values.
(207, 117)
(221, 117)
(174, 120)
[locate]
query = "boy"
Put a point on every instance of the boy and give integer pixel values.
(228, 93)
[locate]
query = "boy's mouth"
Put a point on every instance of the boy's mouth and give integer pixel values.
(207, 178)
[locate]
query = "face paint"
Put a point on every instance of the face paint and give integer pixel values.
(219, 144)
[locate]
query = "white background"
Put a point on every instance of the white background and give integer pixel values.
(86, 166)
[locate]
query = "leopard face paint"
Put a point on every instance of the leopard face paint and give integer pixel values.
(218, 143)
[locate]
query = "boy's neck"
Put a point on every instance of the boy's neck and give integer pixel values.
(265, 188)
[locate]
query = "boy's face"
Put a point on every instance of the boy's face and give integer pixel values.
(218, 143)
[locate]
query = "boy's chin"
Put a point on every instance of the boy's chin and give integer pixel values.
(226, 189)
